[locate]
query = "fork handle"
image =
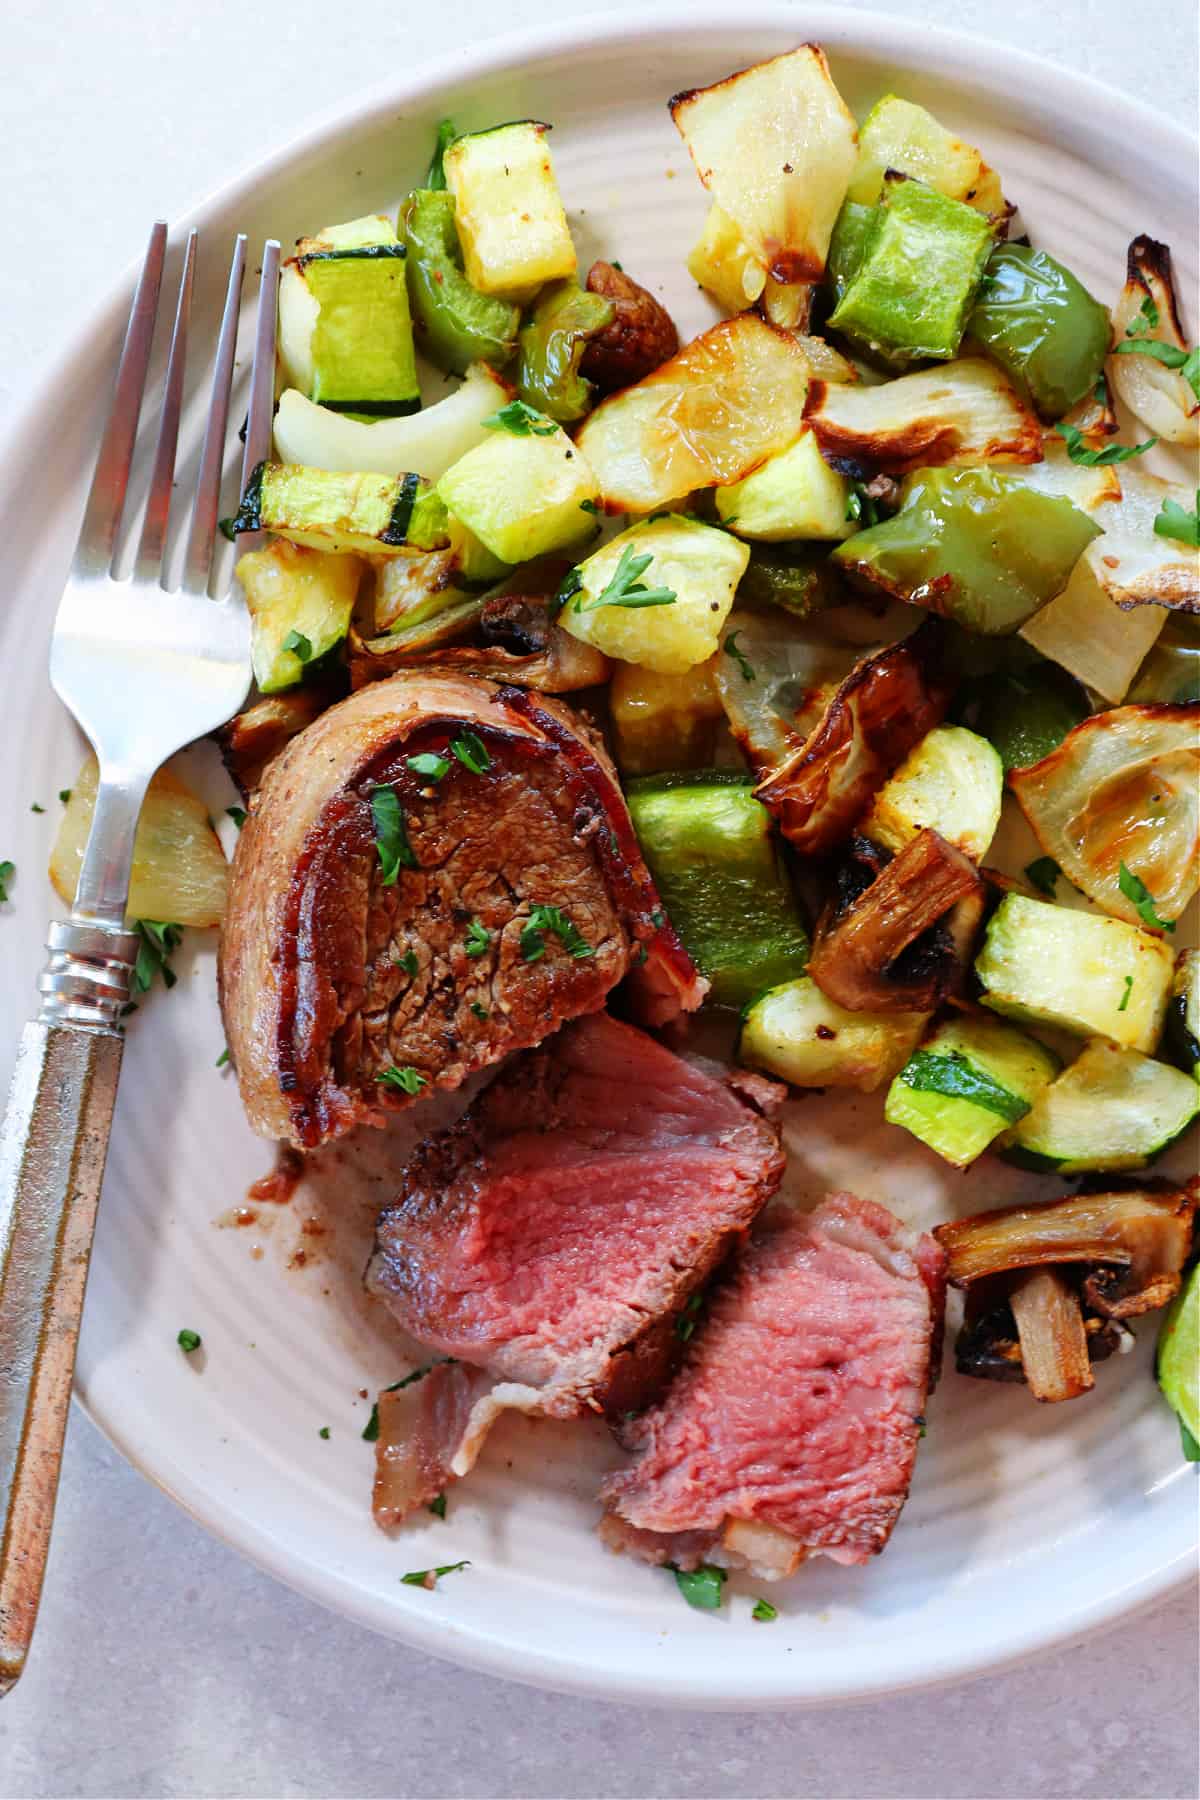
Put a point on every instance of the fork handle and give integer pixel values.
(53, 1146)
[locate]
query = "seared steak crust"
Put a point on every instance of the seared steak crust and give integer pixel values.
(330, 974)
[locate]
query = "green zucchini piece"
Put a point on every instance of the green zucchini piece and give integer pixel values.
(522, 495)
(975, 546)
(968, 1083)
(1177, 1362)
(798, 1033)
(1042, 326)
(952, 780)
(362, 343)
(922, 259)
(1095, 976)
(329, 509)
(793, 495)
(797, 577)
(1112, 1109)
(708, 844)
(457, 324)
(1182, 1034)
(300, 603)
(511, 224)
(564, 320)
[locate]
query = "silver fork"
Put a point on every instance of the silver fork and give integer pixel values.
(186, 658)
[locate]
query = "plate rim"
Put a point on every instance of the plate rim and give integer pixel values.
(955, 56)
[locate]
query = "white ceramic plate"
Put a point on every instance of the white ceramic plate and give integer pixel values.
(1025, 1525)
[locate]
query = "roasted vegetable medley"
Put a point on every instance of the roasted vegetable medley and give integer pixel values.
(864, 574)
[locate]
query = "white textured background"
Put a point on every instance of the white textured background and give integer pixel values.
(164, 1666)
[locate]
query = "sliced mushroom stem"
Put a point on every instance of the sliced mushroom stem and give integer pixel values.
(1052, 1337)
(1142, 1235)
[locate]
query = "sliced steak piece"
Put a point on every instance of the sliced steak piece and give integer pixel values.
(792, 1426)
(556, 1233)
(336, 967)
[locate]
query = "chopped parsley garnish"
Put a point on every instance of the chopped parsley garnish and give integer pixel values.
(324, 1432)
(1136, 342)
(189, 1341)
(158, 944)
(436, 177)
(952, 1075)
(739, 656)
(481, 1012)
(34, 807)
(223, 1059)
(477, 939)
(1136, 891)
(391, 834)
(551, 918)
(429, 1578)
(589, 506)
(1043, 872)
(1100, 394)
(408, 962)
(429, 765)
(700, 1587)
(64, 795)
(370, 1430)
(406, 1078)
(471, 752)
(861, 506)
(1147, 318)
(626, 588)
(1125, 996)
(1173, 522)
(299, 645)
(7, 871)
(238, 814)
(1078, 451)
(520, 420)
(688, 1319)
(764, 1612)
(437, 1506)
(571, 584)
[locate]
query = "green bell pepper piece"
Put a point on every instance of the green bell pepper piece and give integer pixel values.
(922, 260)
(1042, 326)
(797, 577)
(708, 845)
(972, 545)
(458, 325)
(1026, 713)
(846, 246)
(552, 342)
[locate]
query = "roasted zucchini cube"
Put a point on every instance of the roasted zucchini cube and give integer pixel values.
(1183, 1016)
(798, 1033)
(511, 224)
(966, 1084)
(1112, 1109)
(1097, 977)
(914, 286)
(523, 496)
(953, 780)
(897, 134)
(331, 509)
(362, 343)
(300, 603)
(793, 495)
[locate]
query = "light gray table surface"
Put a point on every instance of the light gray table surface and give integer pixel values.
(164, 1665)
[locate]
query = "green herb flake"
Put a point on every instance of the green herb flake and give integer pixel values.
(7, 871)
(860, 506)
(34, 807)
(370, 1430)
(223, 1059)
(1183, 362)
(324, 1432)
(429, 1578)
(238, 814)
(1100, 394)
(481, 1012)
(64, 795)
(477, 939)
(158, 944)
(700, 1587)
(1078, 451)
(428, 765)
(571, 584)
(436, 177)
(551, 918)
(471, 752)
(408, 962)
(1191, 1449)
(949, 1073)
(922, 1425)
(1043, 872)
(764, 1612)
(1172, 521)
(1125, 996)
(391, 834)
(739, 656)
(300, 646)
(689, 1318)
(590, 506)
(189, 1341)
(520, 420)
(407, 1079)
(437, 1506)
(626, 588)
(1139, 895)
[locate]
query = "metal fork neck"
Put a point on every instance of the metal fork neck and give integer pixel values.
(87, 979)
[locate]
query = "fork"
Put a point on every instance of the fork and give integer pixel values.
(186, 656)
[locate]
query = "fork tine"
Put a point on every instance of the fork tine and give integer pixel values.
(260, 416)
(106, 498)
(208, 486)
(158, 501)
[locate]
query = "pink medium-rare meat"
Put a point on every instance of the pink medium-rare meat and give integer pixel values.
(556, 1233)
(792, 1425)
(344, 957)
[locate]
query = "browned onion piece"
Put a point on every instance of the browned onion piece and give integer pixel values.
(856, 951)
(253, 737)
(1050, 1331)
(887, 703)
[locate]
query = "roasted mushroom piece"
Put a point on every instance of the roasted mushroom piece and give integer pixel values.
(641, 336)
(253, 737)
(1050, 1284)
